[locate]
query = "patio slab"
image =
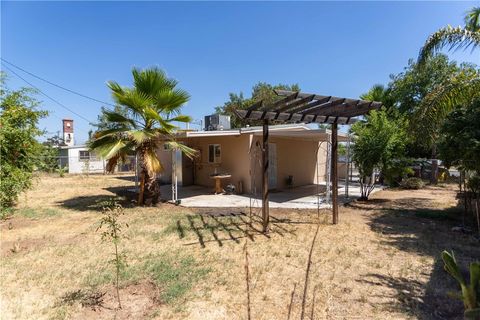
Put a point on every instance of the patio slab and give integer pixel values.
(304, 197)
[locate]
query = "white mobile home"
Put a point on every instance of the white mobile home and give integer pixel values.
(79, 159)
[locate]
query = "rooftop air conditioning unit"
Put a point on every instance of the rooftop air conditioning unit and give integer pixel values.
(217, 122)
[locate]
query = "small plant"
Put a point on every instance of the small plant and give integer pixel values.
(61, 171)
(412, 183)
(470, 292)
(112, 229)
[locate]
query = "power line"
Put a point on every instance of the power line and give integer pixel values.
(57, 85)
(46, 95)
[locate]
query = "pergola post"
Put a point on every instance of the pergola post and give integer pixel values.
(265, 164)
(334, 175)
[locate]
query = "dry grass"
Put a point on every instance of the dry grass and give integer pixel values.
(380, 262)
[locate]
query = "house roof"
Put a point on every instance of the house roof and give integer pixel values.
(298, 131)
(77, 146)
(237, 132)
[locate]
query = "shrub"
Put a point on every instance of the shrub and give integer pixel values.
(19, 149)
(412, 183)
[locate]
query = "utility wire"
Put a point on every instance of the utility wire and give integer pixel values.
(57, 102)
(57, 85)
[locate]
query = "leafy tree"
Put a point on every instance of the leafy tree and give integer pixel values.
(49, 154)
(459, 90)
(260, 91)
(460, 141)
(454, 38)
(379, 141)
(152, 104)
(410, 87)
(102, 120)
(380, 93)
(19, 149)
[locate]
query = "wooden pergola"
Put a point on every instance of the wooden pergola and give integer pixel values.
(299, 107)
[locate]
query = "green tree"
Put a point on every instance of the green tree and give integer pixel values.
(410, 87)
(19, 149)
(260, 91)
(380, 93)
(410, 91)
(460, 141)
(459, 90)
(153, 105)
(49, 154)
(102, 120)
(379, 141)
(464, 37)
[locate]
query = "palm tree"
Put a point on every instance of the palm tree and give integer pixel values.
(458, 38)
(460, 90)
(151, 107)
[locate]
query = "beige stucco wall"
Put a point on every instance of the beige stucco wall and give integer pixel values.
(234, 160)
(295, 157)
(240, 154)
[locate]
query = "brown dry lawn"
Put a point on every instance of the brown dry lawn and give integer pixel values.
(380, 262)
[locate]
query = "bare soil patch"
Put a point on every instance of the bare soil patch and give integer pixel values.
(138, 302)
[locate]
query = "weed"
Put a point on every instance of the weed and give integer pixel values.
(174, 275)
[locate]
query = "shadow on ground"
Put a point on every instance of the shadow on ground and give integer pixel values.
(410, 224)
(218, 225)
(97, 202)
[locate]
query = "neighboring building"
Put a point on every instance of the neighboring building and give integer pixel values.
(79, 159)
(68, 138)
(297, 157)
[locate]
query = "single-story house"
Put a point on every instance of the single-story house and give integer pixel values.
(297, 157)
(78, 159)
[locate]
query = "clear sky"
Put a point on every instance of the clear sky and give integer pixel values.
(214, 48)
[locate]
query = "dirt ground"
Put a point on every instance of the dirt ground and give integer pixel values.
(381, 262)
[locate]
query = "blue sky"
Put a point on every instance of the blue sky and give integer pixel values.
(214, 48)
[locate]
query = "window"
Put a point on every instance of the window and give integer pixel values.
(214, 153)
(85, 155)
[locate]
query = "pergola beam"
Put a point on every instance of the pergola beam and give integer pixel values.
(306, 108)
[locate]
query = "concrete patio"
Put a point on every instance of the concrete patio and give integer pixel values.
(304, 197)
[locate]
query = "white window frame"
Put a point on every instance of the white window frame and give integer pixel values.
(84, 157)
(91, 156)
(216, 158)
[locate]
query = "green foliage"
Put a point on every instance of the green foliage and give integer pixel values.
(398, 170)
(49, 154)
(410, 87)
(61, 171)
(144, 120)
(112, 229)
(412, 183)
(260, 91)
(460, 140)
(470, 291)
(103, 122)
(454, 38)
(459, 90)
(379, 141)
(19, 149)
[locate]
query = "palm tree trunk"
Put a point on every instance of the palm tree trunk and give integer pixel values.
(152, 194)
(142, 188)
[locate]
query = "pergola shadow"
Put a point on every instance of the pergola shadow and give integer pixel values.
(221, 226)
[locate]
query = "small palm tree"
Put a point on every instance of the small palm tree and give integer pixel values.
(458, 38)
(151, 107)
